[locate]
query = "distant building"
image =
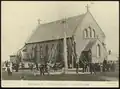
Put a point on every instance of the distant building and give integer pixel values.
(13, 58)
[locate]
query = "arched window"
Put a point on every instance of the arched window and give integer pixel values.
(85, 33)
(46, 53)
(90, 31)
(93, 33)
(46, 49)
(41, 51)
(52, 46)
(98, 51)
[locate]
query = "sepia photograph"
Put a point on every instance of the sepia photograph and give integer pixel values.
(60, 43)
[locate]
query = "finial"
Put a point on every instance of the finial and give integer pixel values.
(87, 7)
(39, 21)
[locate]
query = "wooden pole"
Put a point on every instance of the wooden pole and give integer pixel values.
(65, 53)
(65, 47)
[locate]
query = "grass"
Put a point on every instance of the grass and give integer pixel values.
(64, 77)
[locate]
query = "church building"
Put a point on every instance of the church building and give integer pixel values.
(81, 32)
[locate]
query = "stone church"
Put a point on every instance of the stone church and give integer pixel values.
(82, 33)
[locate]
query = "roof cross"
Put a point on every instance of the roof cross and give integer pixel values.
(87, 7)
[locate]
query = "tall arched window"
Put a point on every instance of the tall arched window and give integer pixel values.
(98, 51)
(90, 31)
(85, 33)
(46, 49)
(93, 33)
(46, 53)
(41, 51)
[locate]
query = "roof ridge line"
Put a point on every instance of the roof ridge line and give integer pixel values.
(55, 24)
(79, 24)
(61, 19)
(97, 24)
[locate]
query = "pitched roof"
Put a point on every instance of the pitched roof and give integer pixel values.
(55, 30)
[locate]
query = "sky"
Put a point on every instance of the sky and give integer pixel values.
(19, 20)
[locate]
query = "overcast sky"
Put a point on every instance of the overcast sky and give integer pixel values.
(19, 20)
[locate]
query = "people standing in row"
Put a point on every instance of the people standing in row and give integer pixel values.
(106, 66)
(41, 68)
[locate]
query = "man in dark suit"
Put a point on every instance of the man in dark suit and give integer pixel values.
(91, 65)
(104, 65)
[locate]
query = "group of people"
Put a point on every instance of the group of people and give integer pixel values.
(86, 64)
(88, 67)
(106, 66)
(15, 66)
(8, 68)
(44, 68)
(41, 68)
